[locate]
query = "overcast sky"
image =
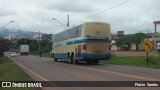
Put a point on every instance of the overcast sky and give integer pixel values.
(34, 15)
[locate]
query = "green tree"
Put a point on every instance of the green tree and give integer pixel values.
(7, 44)
(24, 41)
(128, 39)
(1, 47)
(34, 45)
(46, 37)
(125, 40)
(138, 38)
(46, 43)
(45, 46)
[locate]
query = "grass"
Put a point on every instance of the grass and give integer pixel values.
(133, 61)
(9, 72)
(34, 53)
(46, 54)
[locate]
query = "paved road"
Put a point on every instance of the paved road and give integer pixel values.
(44, 69)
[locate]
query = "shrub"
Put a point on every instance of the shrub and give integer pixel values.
(1, 53)
(159, 51)
(112, 54)
(152, 59)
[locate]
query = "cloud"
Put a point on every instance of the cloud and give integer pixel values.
(6, 12)
(35, 15)
(71, 6)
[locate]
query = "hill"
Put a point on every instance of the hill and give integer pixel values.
(5, 32)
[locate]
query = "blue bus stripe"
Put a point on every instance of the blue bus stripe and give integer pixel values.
(84, 41)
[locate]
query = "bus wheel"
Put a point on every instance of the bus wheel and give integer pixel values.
(55, 59)
(75, 61)
(71, 59)
(88, 61)
(96, 62)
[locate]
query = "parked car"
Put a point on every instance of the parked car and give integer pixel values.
(13, 54)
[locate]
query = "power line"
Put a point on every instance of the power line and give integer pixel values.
(102, 11)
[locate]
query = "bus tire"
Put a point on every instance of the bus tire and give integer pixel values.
(55, 59)
(88, 62)
(71, 59)
(96, 62)
(75, 61)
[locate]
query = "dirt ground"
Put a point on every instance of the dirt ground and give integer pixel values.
(135, 53)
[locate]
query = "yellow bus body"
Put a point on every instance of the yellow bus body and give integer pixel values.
(90, 41)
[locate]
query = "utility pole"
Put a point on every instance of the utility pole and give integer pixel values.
(25, 41)
(68, 20)
(52, 38)
(25, 38)
(39, 45)
(147, 52)
(39, 40)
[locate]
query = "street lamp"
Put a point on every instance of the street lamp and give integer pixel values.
(6, 24)
(59, 22)
(1, 44)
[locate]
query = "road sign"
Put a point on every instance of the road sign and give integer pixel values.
(147, 45)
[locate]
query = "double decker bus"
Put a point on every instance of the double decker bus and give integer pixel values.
(89, 42)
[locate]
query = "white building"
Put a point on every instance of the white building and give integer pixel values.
(156, 40)
(36, 37)
(114, 37)
(14, 37)
(114, 46)
(24, 36)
